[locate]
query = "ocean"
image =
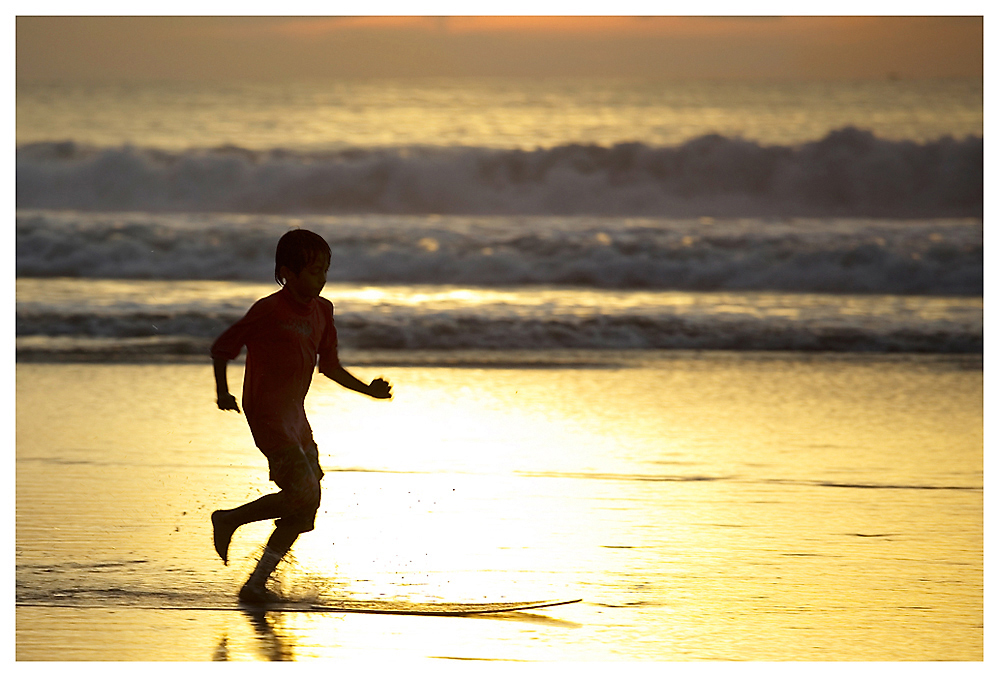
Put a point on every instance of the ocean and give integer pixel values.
(505, 214)
(705, 354)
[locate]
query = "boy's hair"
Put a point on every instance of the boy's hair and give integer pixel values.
(296, 250)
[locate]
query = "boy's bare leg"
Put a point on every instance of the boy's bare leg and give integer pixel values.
(225, 523)
(282, 539)
(255, 591)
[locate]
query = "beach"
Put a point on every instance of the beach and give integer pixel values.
(704, 505)
(705, 354)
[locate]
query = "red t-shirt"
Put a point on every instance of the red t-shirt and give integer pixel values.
(283, 338)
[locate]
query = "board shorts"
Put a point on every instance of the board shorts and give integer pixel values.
(296, 471)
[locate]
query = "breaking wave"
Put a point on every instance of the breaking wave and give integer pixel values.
(937, 257)
(850, 172)
(143, 334)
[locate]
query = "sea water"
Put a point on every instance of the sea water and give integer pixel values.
(907, 148)
(488, 112)
(168, 284)
(586, 214)
(708, 356)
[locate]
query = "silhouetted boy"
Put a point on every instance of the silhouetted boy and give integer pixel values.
(284, 333)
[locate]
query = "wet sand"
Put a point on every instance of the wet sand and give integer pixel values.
(705, 507)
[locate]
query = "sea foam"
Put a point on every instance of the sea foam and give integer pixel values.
(930, 257)
(850, 172)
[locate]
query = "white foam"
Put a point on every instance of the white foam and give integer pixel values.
(848, 172)
(943, 257)
(56, 315)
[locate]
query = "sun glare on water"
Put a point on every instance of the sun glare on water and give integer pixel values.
(420, 500)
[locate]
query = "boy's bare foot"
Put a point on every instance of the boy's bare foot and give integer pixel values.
(258, 594)
(222, 534)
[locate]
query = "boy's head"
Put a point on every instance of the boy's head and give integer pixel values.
(296, 250)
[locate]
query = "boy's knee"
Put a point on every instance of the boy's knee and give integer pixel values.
(305, 498)
(299, 524)
(300, 508)
(310, 495)
(301, 489)
(302, 518)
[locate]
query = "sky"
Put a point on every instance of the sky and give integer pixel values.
(300, 47)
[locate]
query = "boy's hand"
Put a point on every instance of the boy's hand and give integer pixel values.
(227, 401)
(380, 388)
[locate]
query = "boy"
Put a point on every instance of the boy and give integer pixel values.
(283, 333)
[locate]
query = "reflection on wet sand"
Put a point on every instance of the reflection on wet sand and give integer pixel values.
(676, 498)
(533, 618)
(273, 642)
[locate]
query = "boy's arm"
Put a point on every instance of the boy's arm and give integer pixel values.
(379, 388)
(224, 398)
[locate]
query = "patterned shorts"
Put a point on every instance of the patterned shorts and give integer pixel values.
(296, 471)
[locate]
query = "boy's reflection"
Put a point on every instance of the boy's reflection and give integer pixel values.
(275, 645)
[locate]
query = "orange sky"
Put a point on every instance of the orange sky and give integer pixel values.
(111, 48)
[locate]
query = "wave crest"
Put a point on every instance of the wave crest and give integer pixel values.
(850, 172)
(943, 257)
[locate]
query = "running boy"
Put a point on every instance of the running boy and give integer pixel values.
(284, 333)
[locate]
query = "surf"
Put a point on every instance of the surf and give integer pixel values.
(848, 172)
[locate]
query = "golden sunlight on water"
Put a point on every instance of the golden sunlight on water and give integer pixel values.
(705, 507)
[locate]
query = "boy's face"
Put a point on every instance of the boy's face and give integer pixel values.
(309, 282)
